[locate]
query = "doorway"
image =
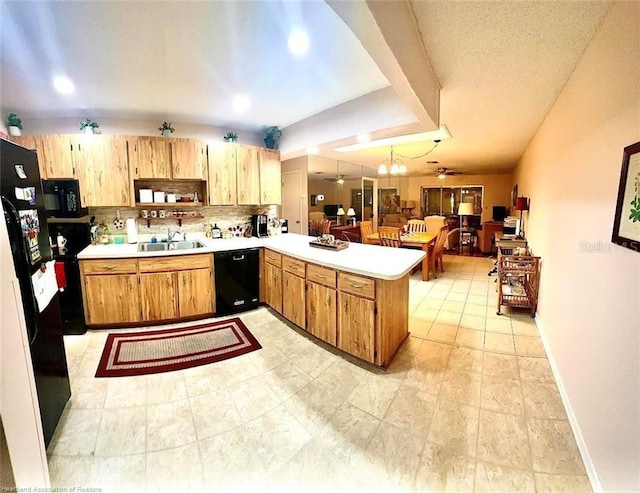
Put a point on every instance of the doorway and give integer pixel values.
(292, 201)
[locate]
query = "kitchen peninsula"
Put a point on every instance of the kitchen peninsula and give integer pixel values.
(355, 300)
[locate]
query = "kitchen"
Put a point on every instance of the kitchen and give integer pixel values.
(297, 411)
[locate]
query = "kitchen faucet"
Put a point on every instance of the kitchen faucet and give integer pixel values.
(171, 236)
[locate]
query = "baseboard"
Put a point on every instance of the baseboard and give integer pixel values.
(573, 421)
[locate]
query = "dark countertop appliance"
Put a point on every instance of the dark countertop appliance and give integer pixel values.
(24, 214)
(237, 280)
(259, 225)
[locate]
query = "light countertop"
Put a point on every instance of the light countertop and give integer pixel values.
(368, 260)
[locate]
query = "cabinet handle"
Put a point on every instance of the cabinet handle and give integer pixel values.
(328, 300)
(168, 282)
(320, 276)
(271, 258)
(357, 286)
(184, 281)
(109, 267)
(130, 286)
(346, 305)
(293, 266)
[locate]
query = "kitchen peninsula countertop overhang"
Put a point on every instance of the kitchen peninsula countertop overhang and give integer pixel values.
(368, 260)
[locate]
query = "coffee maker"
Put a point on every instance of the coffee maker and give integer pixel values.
(259, 225)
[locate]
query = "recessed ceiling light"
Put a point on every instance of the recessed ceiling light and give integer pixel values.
(363, 138)
(241, 103)
(312, 150)
(63, 85)
(298, 42)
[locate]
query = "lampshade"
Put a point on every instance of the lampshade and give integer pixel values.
(411, 204)
(340, 211)
(392, 166)
(465, 209)
(351, 212)
(522, 204)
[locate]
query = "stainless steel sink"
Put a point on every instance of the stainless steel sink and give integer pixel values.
(152, 247)
(174, 245)
(184, 245)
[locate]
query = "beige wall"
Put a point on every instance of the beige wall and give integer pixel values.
(299, 163)
(589, 312)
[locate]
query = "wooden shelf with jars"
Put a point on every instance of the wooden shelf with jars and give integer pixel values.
(150, 220)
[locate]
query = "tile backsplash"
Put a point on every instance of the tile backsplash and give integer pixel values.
(224, 216)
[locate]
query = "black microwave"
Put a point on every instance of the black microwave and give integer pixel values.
(62, 198)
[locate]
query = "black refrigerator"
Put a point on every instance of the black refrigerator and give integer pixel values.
(24, 214)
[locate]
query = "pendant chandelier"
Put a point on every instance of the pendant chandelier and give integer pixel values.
(392, 166)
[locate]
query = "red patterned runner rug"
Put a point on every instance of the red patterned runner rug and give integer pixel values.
(157, 351)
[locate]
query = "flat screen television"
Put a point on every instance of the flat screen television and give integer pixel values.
(499, 212)
(331, 210)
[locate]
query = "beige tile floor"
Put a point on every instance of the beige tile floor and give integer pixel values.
(469, 404)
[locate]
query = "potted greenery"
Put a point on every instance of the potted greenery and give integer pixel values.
(14, 123)
(166, 129)
(231, 137)
(271, 134)
(89, 127)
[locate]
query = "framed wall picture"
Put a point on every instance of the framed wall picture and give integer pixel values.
(514, 195)
(626, 224)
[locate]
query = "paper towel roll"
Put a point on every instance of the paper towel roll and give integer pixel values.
(132, 231)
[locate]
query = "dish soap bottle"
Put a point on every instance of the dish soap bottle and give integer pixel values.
(215, 232)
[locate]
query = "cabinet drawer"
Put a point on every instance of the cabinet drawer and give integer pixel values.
(357, 285)
(321, 275)
(184, 262)
(110, 266)
(294, 266)
(273, 258)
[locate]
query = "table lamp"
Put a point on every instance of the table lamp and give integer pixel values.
(351, 213)
(339, 214)
(465, 209)
(522, 204)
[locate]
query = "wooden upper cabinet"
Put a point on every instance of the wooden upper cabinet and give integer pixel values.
(188, 159)
(150, 157)
(55, 155)
(222, 174)
(248, 175)
(103, 170)
(270, 177)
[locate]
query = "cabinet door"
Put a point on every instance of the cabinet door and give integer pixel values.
(273, 286)
(195, 292)
(29, 141)
(248, 175)
(222, 174)
(270, 177)
(293, 306)
(111, 299)
(321, 312)
(356, 326)
(152, 157)
(56, 154)
(188, 160)
(158, 296)
(103, 171)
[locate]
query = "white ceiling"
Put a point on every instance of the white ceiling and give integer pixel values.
(500, 65)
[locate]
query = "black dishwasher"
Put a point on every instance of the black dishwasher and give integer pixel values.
(237, 280)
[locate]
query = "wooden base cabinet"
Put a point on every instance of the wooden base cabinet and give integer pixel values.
(121, 291)
(273, 280)
(110, 291)
(364, 317)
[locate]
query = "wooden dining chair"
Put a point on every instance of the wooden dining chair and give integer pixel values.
(437, 252)
(326, 227)
(351, 237)
(389, 237)
(416, 226)
(366, 228)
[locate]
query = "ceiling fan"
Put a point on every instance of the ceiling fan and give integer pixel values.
(442, 172)
(339, 179)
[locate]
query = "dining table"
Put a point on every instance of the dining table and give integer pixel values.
(422, 240)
